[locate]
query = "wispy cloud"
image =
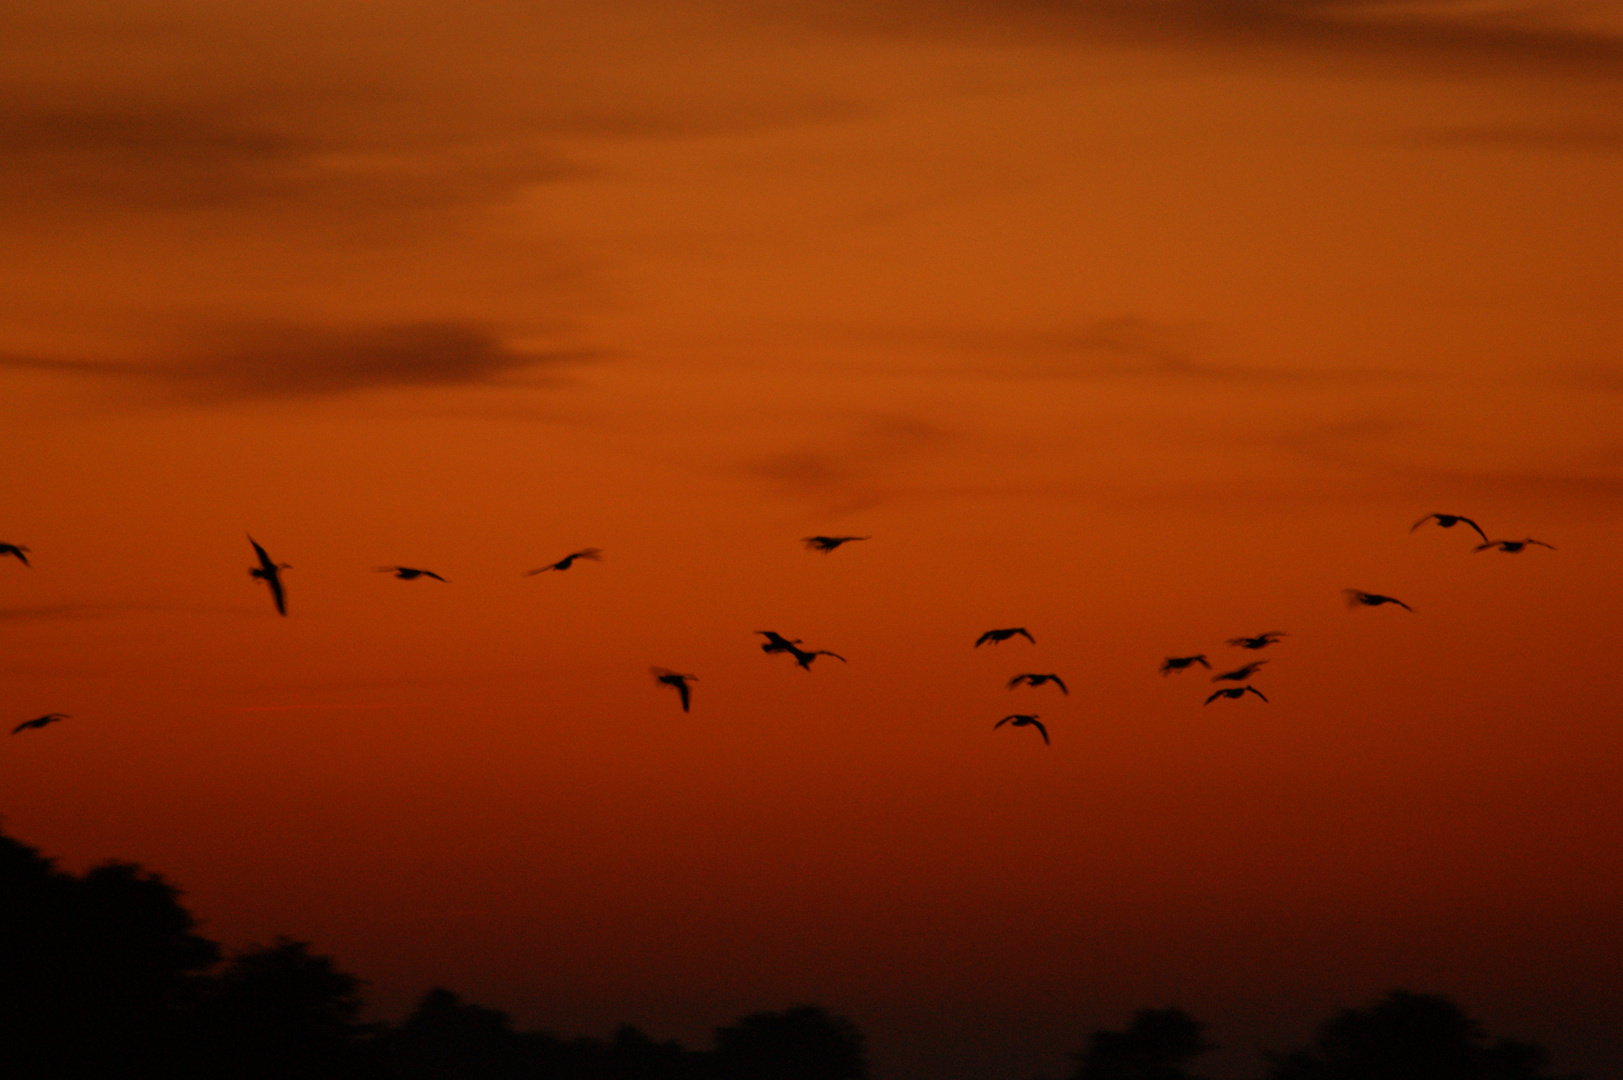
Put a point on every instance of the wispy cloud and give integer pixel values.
(853, 469)
(273, 361)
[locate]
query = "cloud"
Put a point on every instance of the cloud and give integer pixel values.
(1471, 38)
(1117, 347)
(852, 470)
(289, 361)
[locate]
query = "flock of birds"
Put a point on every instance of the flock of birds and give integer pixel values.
(270, 572)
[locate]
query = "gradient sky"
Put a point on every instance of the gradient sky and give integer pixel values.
(1142, 325)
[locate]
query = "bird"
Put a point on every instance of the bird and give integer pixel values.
(1236, 692)
(995, 636)
(1240, 674)
(1261, 641)
(595, 554)
(1510, 547)
(1024, 720)
(271, 574)
(676, 679)
(1038, 680)
(1178, 663)
(40, 721)
(804, 657)
(407, 573)
(17, 550)
(1369, 599)
(776, 642)
(826, 544)
(1448, 521)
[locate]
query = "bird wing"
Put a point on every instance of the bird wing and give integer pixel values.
(1255, 691)
(1399, 603)
(274, 580)
(1038, 724)
(1059, 682)
(1022, 632)
(1215, 696)
(1001, 722)
(1540, 543)
(1421, 522)
(1017, 680)
(264, 556)
(1475, 526)
(435, 576)
(984, 638)
(835, 655)
(682, 689)
(1486, 546)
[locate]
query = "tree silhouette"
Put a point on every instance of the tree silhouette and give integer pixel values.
(1407, 1036)
(801, 1043)
(279, 1011)
(101, 972)
(1153, 1047)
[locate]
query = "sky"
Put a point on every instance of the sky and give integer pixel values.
(1140, 325)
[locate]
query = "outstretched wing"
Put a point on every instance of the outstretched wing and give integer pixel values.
(1422, 521)
(1059, 682)
(1022, 632)
(1475, 526)
(1215, 696)
(1255, 691)
(1038, 724)
(825, 652)
(990, 635)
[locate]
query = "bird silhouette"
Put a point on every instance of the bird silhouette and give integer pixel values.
(1510, 547)
(1261, 641)
(826, 544)
(1448, 521)
(676, 679)
(271, 574)
(1240, 674)
(407, 573)
(1024, 720)
(1236, 692)
(1369, 599)
(17, 550)
(40, 721)
(1038, 680)
(996, 636)
(804, 657)
(595, 554)
(1178, 663)
(776, 642)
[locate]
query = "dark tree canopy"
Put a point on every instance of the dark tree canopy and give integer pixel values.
(801, 1043)
(1153, 1047)
(1407, 1036)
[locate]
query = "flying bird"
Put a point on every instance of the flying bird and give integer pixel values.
(1240, 674)
(676, 679)
(40, 721)
(804, 658)
(595, 554)
(1369, 599)
(271, 574)
(17, 550)
(995, 636)
(1448, 521)
(1178, 663)
(407, 573)
(1038, 680)
(1261, 641)
(1024, 720)
(776, 642)
(1510, 547)
(1236, 692)
(826, 544)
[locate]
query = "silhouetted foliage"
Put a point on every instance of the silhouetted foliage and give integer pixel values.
(1407, 1036)
(280, 1012)
(102, 973)
(445, 1038)
(802, 1043)
(1153, 1047)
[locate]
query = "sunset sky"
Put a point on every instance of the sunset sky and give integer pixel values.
(1142, 325)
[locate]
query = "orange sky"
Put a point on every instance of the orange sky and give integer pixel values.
(1140, 325)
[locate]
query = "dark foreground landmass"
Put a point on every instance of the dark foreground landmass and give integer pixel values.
(103, 976)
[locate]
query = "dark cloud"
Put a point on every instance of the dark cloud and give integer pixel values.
(852, 469)
(294, 361)
(167, 159)
(1119, 347)
(1456, 33)
(1606, 138)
